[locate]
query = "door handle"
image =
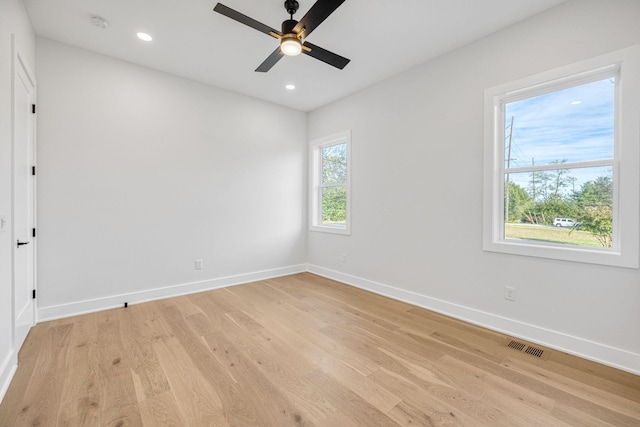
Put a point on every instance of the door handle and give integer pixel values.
(21, 243)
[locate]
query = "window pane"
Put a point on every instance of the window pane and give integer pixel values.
(570, 206)
(334, 205)
(334, 164)
(570, 125)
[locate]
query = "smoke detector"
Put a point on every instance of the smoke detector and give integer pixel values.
(99, 22)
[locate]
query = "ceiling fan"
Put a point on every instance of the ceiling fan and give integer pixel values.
(293, 32)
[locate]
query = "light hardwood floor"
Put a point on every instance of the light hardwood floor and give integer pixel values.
(301, 351)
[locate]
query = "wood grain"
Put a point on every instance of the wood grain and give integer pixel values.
(300, 350)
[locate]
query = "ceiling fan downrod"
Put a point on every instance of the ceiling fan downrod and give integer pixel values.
(291, 6)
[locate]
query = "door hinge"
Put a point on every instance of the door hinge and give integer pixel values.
(33, 108)
(34, 294)
(33, 232)
(33, 170)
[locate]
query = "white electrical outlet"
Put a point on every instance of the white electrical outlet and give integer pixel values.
(509, 293)
(198, 264)
(344, 258)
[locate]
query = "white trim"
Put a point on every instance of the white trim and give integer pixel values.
(552, 84)
(115, 301)
(19, 64)
(315, 207)
(9, 365)
(586, 349)
(600, 353)
(561, 166)
(626, 250)
(7, 371)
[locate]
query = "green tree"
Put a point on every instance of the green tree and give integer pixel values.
(334, 180)
(548, 193)
(519, 202)
(537, 182)
(595, 203)
(596, 193)
(334, 205)
(599, 222)
(559, 180)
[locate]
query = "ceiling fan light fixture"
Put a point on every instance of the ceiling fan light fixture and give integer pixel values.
(290, 46)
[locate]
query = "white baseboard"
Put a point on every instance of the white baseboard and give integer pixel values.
(606, 355)
(7, 370)
(115, 301)
(615, 357)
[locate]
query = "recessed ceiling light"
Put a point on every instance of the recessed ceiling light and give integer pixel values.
(144, 36)
(576, 102)
(99, 22)
(290, 86)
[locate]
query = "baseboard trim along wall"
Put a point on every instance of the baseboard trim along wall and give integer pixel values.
(7, 370)
(586, 349)
(610, 356)
(115, 301)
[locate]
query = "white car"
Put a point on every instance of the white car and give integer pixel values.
(564, 222)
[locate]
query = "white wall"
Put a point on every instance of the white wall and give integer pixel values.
(13, 20)
(141, 172)
(417, 159)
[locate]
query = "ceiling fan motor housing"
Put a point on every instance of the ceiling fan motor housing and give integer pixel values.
(288, 25)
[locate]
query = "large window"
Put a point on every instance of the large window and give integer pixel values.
(330, 207)
(561, 163)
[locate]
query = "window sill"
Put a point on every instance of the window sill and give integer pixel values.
(604, 256)
(330, 229)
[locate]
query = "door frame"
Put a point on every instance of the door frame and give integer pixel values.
(19, 62)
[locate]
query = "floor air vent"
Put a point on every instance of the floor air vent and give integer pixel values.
(528, 349)
(516, 345)
(537, 352)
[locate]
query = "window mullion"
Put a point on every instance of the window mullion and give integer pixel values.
(560, 166)
(333, 185)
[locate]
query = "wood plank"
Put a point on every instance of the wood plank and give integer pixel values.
(80, 398)
(200, 402)
(118, 403)
(273, 404)
(41, 402)
(300, 350)
(347, 402)
(148, 377)
(279, 366)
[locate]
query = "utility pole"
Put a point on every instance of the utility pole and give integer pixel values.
(507, 187)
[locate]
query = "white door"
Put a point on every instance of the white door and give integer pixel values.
(23, 198)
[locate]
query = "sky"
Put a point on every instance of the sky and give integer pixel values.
(574, 124)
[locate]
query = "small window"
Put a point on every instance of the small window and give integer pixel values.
(330, 206)
(556, 182)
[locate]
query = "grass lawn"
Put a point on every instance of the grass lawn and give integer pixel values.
(550, 234)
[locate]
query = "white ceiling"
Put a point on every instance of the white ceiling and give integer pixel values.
(381, 37)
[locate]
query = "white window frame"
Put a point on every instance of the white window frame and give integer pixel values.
(315, 180)
(625, 65)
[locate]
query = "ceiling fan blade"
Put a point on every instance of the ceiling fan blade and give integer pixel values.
(325, 56)
(314, 17)
(244, 19)
(271, 60)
